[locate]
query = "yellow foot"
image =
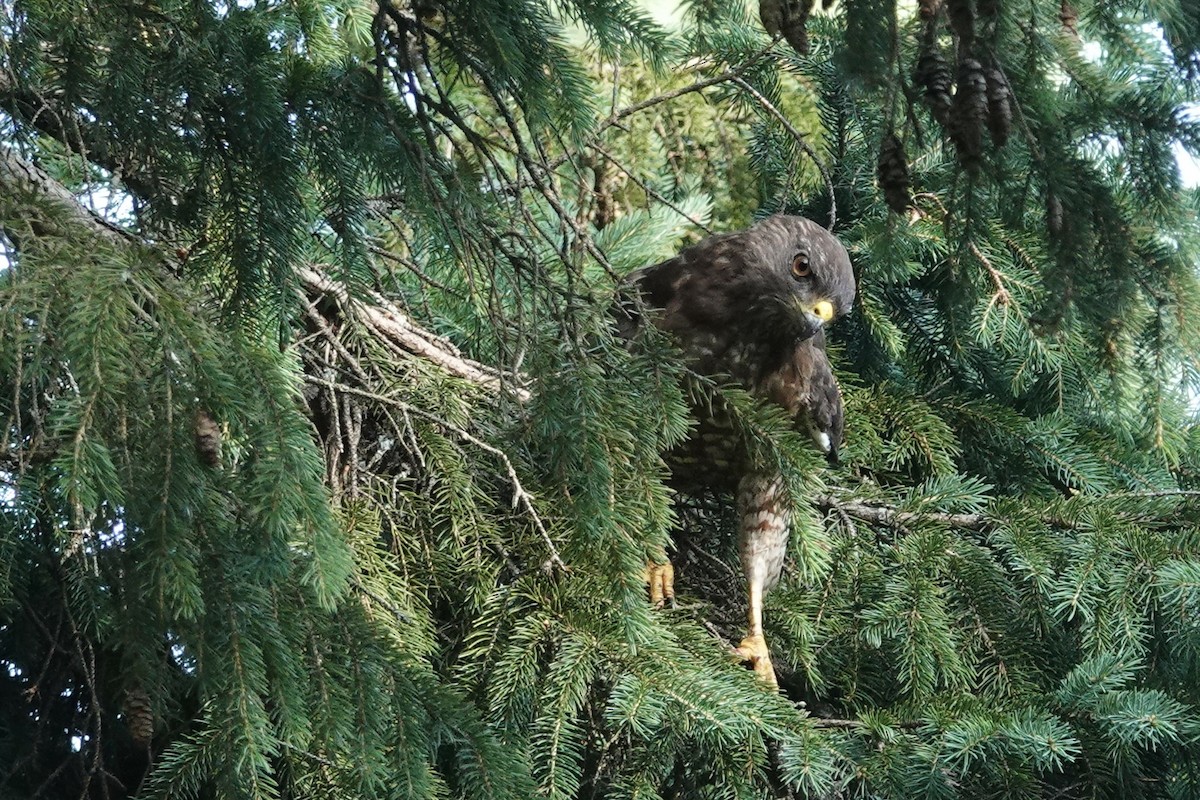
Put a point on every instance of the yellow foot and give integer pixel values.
(754, 649)
(661, 578)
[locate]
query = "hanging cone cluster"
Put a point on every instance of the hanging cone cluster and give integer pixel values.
(208, 439)
(970, 112)
(139, 715)
(977, 97)
(892, 171)
(787, 18)
(934, 76)
(1000, 106)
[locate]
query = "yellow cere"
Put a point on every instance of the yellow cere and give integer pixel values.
(824, 310)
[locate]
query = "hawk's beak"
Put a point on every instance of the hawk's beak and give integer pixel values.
(814, 317)
(823, 310)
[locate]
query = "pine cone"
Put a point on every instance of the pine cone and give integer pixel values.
(770, 12)
(208, 439)
(962, 20)
(892, 170)
(933, 75)
(1069, 18)
(795, 24)
(1054, 213)
(1000, 106)
(969, 113)
(928, 9)
(139, 715)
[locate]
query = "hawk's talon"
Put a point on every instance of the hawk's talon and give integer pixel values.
(754, 649)
(661, 578)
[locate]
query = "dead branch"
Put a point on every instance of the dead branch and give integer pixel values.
(892, 516)
(412, 338)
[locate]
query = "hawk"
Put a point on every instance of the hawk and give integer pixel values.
(750, 305)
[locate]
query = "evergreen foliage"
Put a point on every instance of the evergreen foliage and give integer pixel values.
(323, 475)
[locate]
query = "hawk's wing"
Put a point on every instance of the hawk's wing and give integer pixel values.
(687, 293)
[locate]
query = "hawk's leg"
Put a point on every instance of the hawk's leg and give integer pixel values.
(762, 543)
(661, 578)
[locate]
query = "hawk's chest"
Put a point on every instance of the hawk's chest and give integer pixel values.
(747, 360)
(715, 455)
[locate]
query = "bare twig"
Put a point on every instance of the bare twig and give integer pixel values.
(890, 515)
(650, 190)
(617, 117)
(383, 601)
(882, 514)
(855, 724)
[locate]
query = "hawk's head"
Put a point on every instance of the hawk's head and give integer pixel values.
(796, 275)
(781, 279)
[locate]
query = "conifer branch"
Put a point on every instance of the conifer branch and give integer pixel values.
(648, 189)
(521, 496)
(615, 118)
(801, 141)
(19, 177)
(857, 724)
(1001, 295)
(882, 514)
(892, 516)
(358, 586)
(48, 117)
(727, 76)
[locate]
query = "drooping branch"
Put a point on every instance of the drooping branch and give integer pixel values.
(19, 178)
(53, 118)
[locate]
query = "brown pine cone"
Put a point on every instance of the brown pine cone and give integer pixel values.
(208, 439)
(1000, 106)
(892, 171)
(969, 114)
(934, 76)
(139, 715)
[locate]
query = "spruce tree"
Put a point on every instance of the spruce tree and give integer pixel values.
(322, 472)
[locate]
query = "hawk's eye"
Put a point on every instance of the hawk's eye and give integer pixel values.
(800, 266)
